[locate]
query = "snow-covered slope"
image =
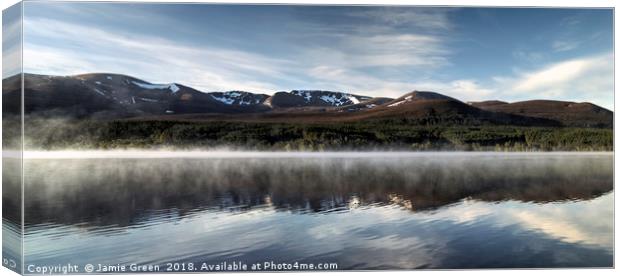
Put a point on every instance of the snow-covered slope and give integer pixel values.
(241, 98)
(171, 86)
(328, 98)
(106, 95)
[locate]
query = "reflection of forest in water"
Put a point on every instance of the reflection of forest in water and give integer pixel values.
(124, 191)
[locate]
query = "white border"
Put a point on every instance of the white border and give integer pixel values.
(494, 3)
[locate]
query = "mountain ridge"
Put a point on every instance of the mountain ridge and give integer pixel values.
(108, 95)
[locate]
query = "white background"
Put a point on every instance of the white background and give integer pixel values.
(526, 3)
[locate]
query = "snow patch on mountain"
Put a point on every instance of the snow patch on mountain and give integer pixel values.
(230, 97)
(332, 98)
(99, 92)
(242, 102)
(224, 99)
(173, 87)
(407, 99)
(148, 100)
(306, 94)
(336, 100)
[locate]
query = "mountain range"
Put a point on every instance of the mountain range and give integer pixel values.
(115, 96)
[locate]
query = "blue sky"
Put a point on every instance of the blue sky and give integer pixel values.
(468, 53)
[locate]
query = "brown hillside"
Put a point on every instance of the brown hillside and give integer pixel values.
(568, 113)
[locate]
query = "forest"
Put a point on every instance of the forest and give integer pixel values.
(391, 135)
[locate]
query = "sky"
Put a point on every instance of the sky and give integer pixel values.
(472, 54)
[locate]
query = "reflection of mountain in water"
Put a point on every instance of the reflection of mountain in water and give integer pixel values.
(127, 191)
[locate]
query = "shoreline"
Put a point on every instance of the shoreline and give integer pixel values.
(196, 154)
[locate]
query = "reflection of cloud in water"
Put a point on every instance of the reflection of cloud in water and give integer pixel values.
(465, 211)
(380, 236)
(574, 222)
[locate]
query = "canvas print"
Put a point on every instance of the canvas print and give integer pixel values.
(193, 137)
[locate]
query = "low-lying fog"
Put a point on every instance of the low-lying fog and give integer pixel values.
(96, 154)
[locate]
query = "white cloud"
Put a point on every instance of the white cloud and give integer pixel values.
(571, 21)
(464, 89)
(374, 62)
(11, 48)
(351, 81)
(430, 19)
(532, 57)
(587, 79)
(333, 65)
(561, 46)
(49, 59)
(553, 76)
(11, 62)
(367, 47)
(345, 80)
(375, 58)
(152, 58)
(375, 45)
(347, 59)
(394, 50)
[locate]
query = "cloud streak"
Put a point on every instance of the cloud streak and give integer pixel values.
(351, 57)
(429, 19)
(588, 78)
(11, 42)
(561, 46)
(378, 51)
(152, 58)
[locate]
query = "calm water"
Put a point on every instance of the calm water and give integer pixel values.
(361, 211)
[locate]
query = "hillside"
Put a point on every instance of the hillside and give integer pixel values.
(113, 96)
(568, 113)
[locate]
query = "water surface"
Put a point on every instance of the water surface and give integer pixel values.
(361, 211)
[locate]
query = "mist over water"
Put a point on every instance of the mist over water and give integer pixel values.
(360, 210)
